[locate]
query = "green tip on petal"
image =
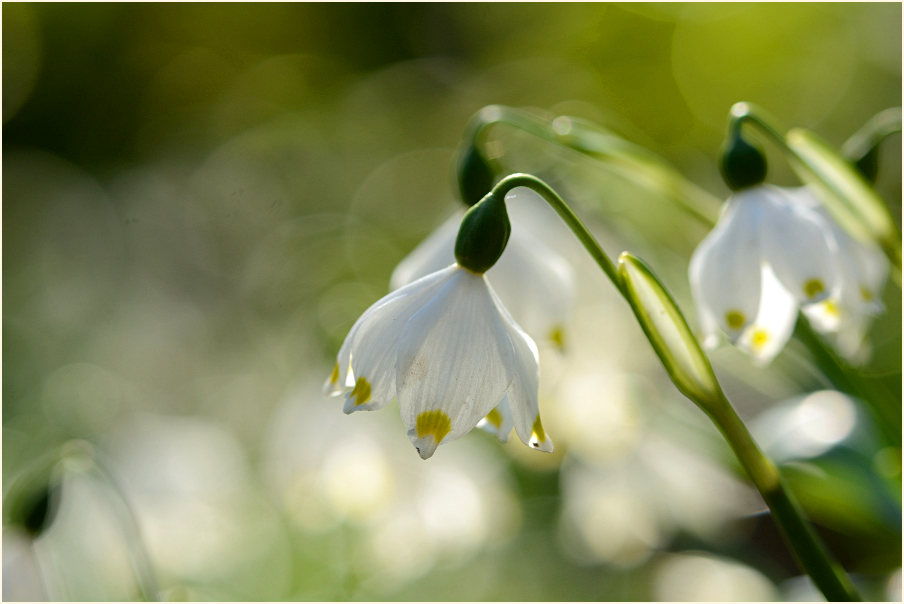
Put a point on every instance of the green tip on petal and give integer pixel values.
(483, 234)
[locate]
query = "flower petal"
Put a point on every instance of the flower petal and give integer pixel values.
(522, 394)
(453, 357)
(865, 271)
(864, 268)
(535, 283)
(366, 361)
(725, 268)
(432, 254)
(498, 421)
(798, 246)
(774, 323)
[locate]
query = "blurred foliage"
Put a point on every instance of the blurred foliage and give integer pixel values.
(199, 200)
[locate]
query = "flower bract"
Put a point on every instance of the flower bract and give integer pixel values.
(447, 348)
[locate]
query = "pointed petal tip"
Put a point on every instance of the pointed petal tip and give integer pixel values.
(425, 445)
(544, 445)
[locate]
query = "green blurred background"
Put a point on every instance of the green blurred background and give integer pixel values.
(199, 200)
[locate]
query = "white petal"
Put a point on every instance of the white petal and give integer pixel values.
(498, 421)
(725, 268)
(535, 284)
(534, 281)
(865, 273)
(774, 323)
(368, 352)
(454, 359)
(798, 245)
(523, 393)
(864, 268)
(435, 252)
(826, 316)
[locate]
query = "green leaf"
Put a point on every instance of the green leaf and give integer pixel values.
(668, 332)
(848, 197)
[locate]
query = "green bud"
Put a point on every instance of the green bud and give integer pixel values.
(483, 233)
(475, 175)
(32, 504)
(742, 165)
(868, 164)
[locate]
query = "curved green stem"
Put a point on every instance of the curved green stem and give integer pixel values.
(878, 128)
(570, 218)
(630, 160)
(806, 546)
(139, 557)
(743, 112)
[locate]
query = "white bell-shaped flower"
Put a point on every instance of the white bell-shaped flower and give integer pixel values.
(446, 347)
(846, 315)
(767, 257)
(536, 284)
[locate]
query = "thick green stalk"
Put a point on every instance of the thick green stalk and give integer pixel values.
(806, 546)
(808, 550)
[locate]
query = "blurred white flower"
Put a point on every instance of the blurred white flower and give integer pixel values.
(702, 577)
(449, 350)
(768, 256)
(863, 271)
(534, 282)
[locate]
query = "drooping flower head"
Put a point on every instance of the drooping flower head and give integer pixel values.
(775, 251)
(767, 257)
(536, 284)
(447, 348)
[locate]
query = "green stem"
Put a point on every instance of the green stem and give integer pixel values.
(878, 128)
(138, 555)
(748, 112)
(808, 550)
(574, 223)
(806, 546)
(630, 160)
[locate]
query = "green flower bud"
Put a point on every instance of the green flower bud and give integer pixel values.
(868, 164)
(742, 165)
(32, 504)
(475, 175)
(483, 233)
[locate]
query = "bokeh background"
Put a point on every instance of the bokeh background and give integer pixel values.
(199, 200)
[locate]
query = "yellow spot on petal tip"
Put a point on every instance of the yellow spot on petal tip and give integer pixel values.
(495, 418)
(759, 338)
(832, 309)
(433, 423)
(557, 337)
(866, 294)
(361, 392)
(537, 434)
(735, 319)
(813, 287)
(334, 376)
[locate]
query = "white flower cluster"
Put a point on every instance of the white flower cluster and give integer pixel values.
(773, 252)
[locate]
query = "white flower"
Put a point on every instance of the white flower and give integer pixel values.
(847, 313)
(449, 351)
(536, 284)
(768, 256)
